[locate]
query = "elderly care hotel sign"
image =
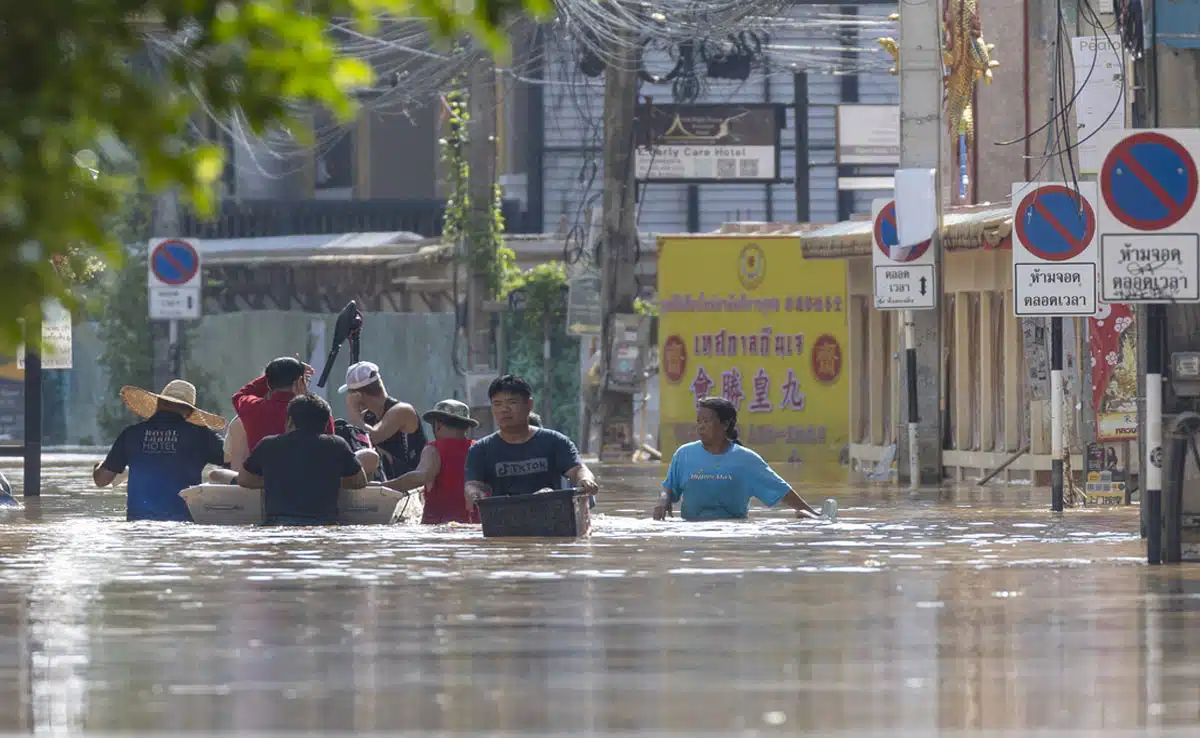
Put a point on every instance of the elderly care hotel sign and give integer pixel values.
(753, 321)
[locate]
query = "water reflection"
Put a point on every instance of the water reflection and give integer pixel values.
(964, 610)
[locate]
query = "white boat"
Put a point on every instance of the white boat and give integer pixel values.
(229, 504)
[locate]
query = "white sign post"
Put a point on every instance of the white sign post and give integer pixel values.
(1150, 253)
(174, 279)
(1099, 94)
(1054, 249)
(1149, 219)
(56, 337)
(905, 278)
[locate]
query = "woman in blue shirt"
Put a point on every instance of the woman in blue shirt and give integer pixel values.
(716, 476)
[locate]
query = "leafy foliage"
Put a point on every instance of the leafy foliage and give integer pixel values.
(524, 357)
(78, 76)
(545, 287)
(486, 253)
(128, 350)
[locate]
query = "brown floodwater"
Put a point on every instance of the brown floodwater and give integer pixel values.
(953, 610)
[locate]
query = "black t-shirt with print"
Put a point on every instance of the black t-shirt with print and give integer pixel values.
(302, 475)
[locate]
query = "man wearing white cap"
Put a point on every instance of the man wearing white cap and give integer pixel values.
(394, 426)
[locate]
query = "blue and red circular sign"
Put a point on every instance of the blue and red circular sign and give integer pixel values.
(1055, 223)
(174, 262)
(1149, 181)
(887, 237)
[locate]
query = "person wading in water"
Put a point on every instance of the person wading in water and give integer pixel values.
(394, 426)
(716, 476)
(443, 466)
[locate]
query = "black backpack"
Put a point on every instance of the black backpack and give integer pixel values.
(358, 439)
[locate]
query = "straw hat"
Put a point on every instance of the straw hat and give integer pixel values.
(145, 403)
(453, 411)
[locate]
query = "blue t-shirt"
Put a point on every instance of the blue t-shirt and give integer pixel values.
(165, 454)
(522, 468)
(719, 486)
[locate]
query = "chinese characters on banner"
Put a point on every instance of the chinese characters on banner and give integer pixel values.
(1112, 337)
(752, 321)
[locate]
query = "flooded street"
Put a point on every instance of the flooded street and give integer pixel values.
(976, 610)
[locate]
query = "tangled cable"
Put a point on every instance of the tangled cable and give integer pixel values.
(412, 70)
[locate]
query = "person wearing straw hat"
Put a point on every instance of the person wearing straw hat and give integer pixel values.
(442, 467)
(165, 453)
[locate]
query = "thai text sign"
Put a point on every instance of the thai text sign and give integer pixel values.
(751, 320)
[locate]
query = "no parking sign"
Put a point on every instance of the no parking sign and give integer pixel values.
(1149, 222)
(1054, 254)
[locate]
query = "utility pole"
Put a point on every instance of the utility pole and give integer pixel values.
(165, 338)
(481, 188)
(921, 134)
(619, 247)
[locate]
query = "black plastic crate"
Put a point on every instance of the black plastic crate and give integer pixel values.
(561, 513)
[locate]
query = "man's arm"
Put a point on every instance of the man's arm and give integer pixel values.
(400, 418)
(251, 475)
(478, 482)
(353, 475)
(101, 476)
(797, 503)
(251, 394)
(426, 471)
(104, 472)
(581, 476)
(577, 472)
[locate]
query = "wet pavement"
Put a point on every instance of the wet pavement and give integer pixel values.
(957, 610)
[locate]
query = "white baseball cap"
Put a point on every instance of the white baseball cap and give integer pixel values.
(359, 375)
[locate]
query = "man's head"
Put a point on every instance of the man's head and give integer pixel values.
(450, 419)
(287, 374)
(364, 379)
(512, 401)
(308, 414)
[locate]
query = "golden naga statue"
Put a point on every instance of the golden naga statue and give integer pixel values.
(967, 58)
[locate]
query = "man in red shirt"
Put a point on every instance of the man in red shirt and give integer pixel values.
(262, 405)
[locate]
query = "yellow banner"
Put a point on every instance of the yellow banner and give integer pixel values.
(752, 320)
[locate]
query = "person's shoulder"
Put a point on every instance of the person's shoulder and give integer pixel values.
(688, 448)
(748, 454)
(554, 436)
(487, 441)
(331, 440)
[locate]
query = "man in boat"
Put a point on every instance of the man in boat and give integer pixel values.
(262, 411)
(303, 471)
(443, 465)
(520, 458)
(393, 426)
(165, 453)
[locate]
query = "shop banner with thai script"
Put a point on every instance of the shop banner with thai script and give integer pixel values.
(752, 320)
(1112, 336)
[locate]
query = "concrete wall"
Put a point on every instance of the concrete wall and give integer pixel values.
(225, 351)
(413, 351)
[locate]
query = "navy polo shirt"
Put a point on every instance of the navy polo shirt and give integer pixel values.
(165, 454)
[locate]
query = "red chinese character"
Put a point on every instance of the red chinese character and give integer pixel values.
(731, 387)
(793, 398)
(701, 384)
(762, 391)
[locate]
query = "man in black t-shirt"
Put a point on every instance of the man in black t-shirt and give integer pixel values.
(303, 470)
